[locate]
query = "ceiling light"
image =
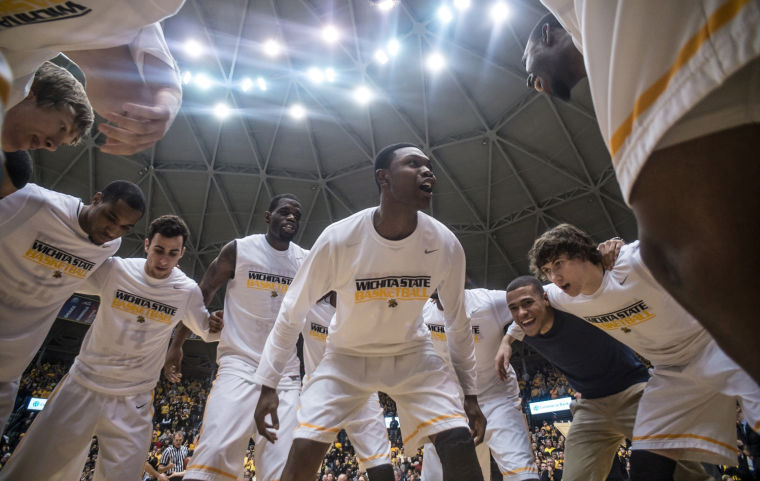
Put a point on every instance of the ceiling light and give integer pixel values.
(315, 75)
(444, 14)
(435, 62)
(363, 95)
(297, 111)
(221, 111)
(381, 57)
(330, 34)
(261, 83)
(187, 77)
(193, 49)
(272, 47)
(385, 5)
(330, 74)
(462, 5)
(499, 12)
(393, 47)
(202, 81)
(246, 84)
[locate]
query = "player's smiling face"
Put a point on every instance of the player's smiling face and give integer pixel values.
(411, 178)
(285, 219)
(567, 274)
(163, 255)
(530, 310)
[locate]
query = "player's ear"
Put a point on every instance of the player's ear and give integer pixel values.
(382, 176)
(546, 34)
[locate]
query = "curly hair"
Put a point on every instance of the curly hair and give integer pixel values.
(168, 226)
(562, 239)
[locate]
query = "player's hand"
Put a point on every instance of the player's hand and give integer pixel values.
(475, 418)
(139, 126)
(170, 465)
(501, 361)
(268, 402)
(216, 321)
(610, 250)
(173, 364)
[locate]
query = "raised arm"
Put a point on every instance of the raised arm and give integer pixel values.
(136, 87)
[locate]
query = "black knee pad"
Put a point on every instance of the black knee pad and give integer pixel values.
(457, 453)
(384, 472)
(648, 466)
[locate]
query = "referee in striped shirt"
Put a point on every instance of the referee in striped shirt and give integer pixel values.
(176, 453)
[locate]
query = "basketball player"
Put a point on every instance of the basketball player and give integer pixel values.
(258, 270)
(132, 79)
(383, 263)
(367, 430)
(676, 94)
(506, 435)
(55, 112)
(606, 374)
(628, 304)
(108, 391)
(51, 243)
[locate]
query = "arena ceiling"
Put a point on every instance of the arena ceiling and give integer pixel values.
(510, 162)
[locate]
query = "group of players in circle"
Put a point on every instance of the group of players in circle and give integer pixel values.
(379, 298)
(380, 302)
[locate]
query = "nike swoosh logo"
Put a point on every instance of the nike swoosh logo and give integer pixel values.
(430, 251)
(141, 405)
(178, 287)
(623, 281)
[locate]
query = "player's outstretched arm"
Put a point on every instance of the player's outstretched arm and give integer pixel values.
(219, 271)
(267, 405)
(475, 418)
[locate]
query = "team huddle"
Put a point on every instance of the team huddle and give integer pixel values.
(379, 299)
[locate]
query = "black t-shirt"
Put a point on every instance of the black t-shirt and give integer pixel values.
(595, 364)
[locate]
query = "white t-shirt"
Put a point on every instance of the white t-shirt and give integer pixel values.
(125, 348)
(382, 286)
(46, 257)
(262, 277)
(650, 61)
(489, 317)
(315, 334)
(634, 309)
(32, 32)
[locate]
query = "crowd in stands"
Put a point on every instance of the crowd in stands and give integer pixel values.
(179, 408)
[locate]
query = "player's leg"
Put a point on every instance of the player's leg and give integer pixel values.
(369, 438)
(335, 392)
(270, 458)
(56, 445)
(430, 408)
(683, 417)
(124, 433)
(8, 391)
(507, 437)
(227, 427)
(592, 440)
(696, 205)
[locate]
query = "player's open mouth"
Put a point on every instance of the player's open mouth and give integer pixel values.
(427, 186)
(527, 322)
(289, 227)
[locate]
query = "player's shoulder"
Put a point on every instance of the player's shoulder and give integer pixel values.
(297, 252)
(347, 227)
(433, 229)
(628, 259)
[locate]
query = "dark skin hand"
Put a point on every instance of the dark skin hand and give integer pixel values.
(268, 402)
(218, 273)
(475, 418)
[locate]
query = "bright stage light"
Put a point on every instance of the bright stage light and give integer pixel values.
(461, 5)
(435, 62)
(330, 74)
(330, 34)
(499, 12)
(246, 84)
(393, 47)
(261, 83)
(187, 77)
(444, 14)
(386, 5)
(272, 47)
(297, 111)
(193, 48)
(221, 111)
(363, 95)
(315, 75)
(381, 57)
